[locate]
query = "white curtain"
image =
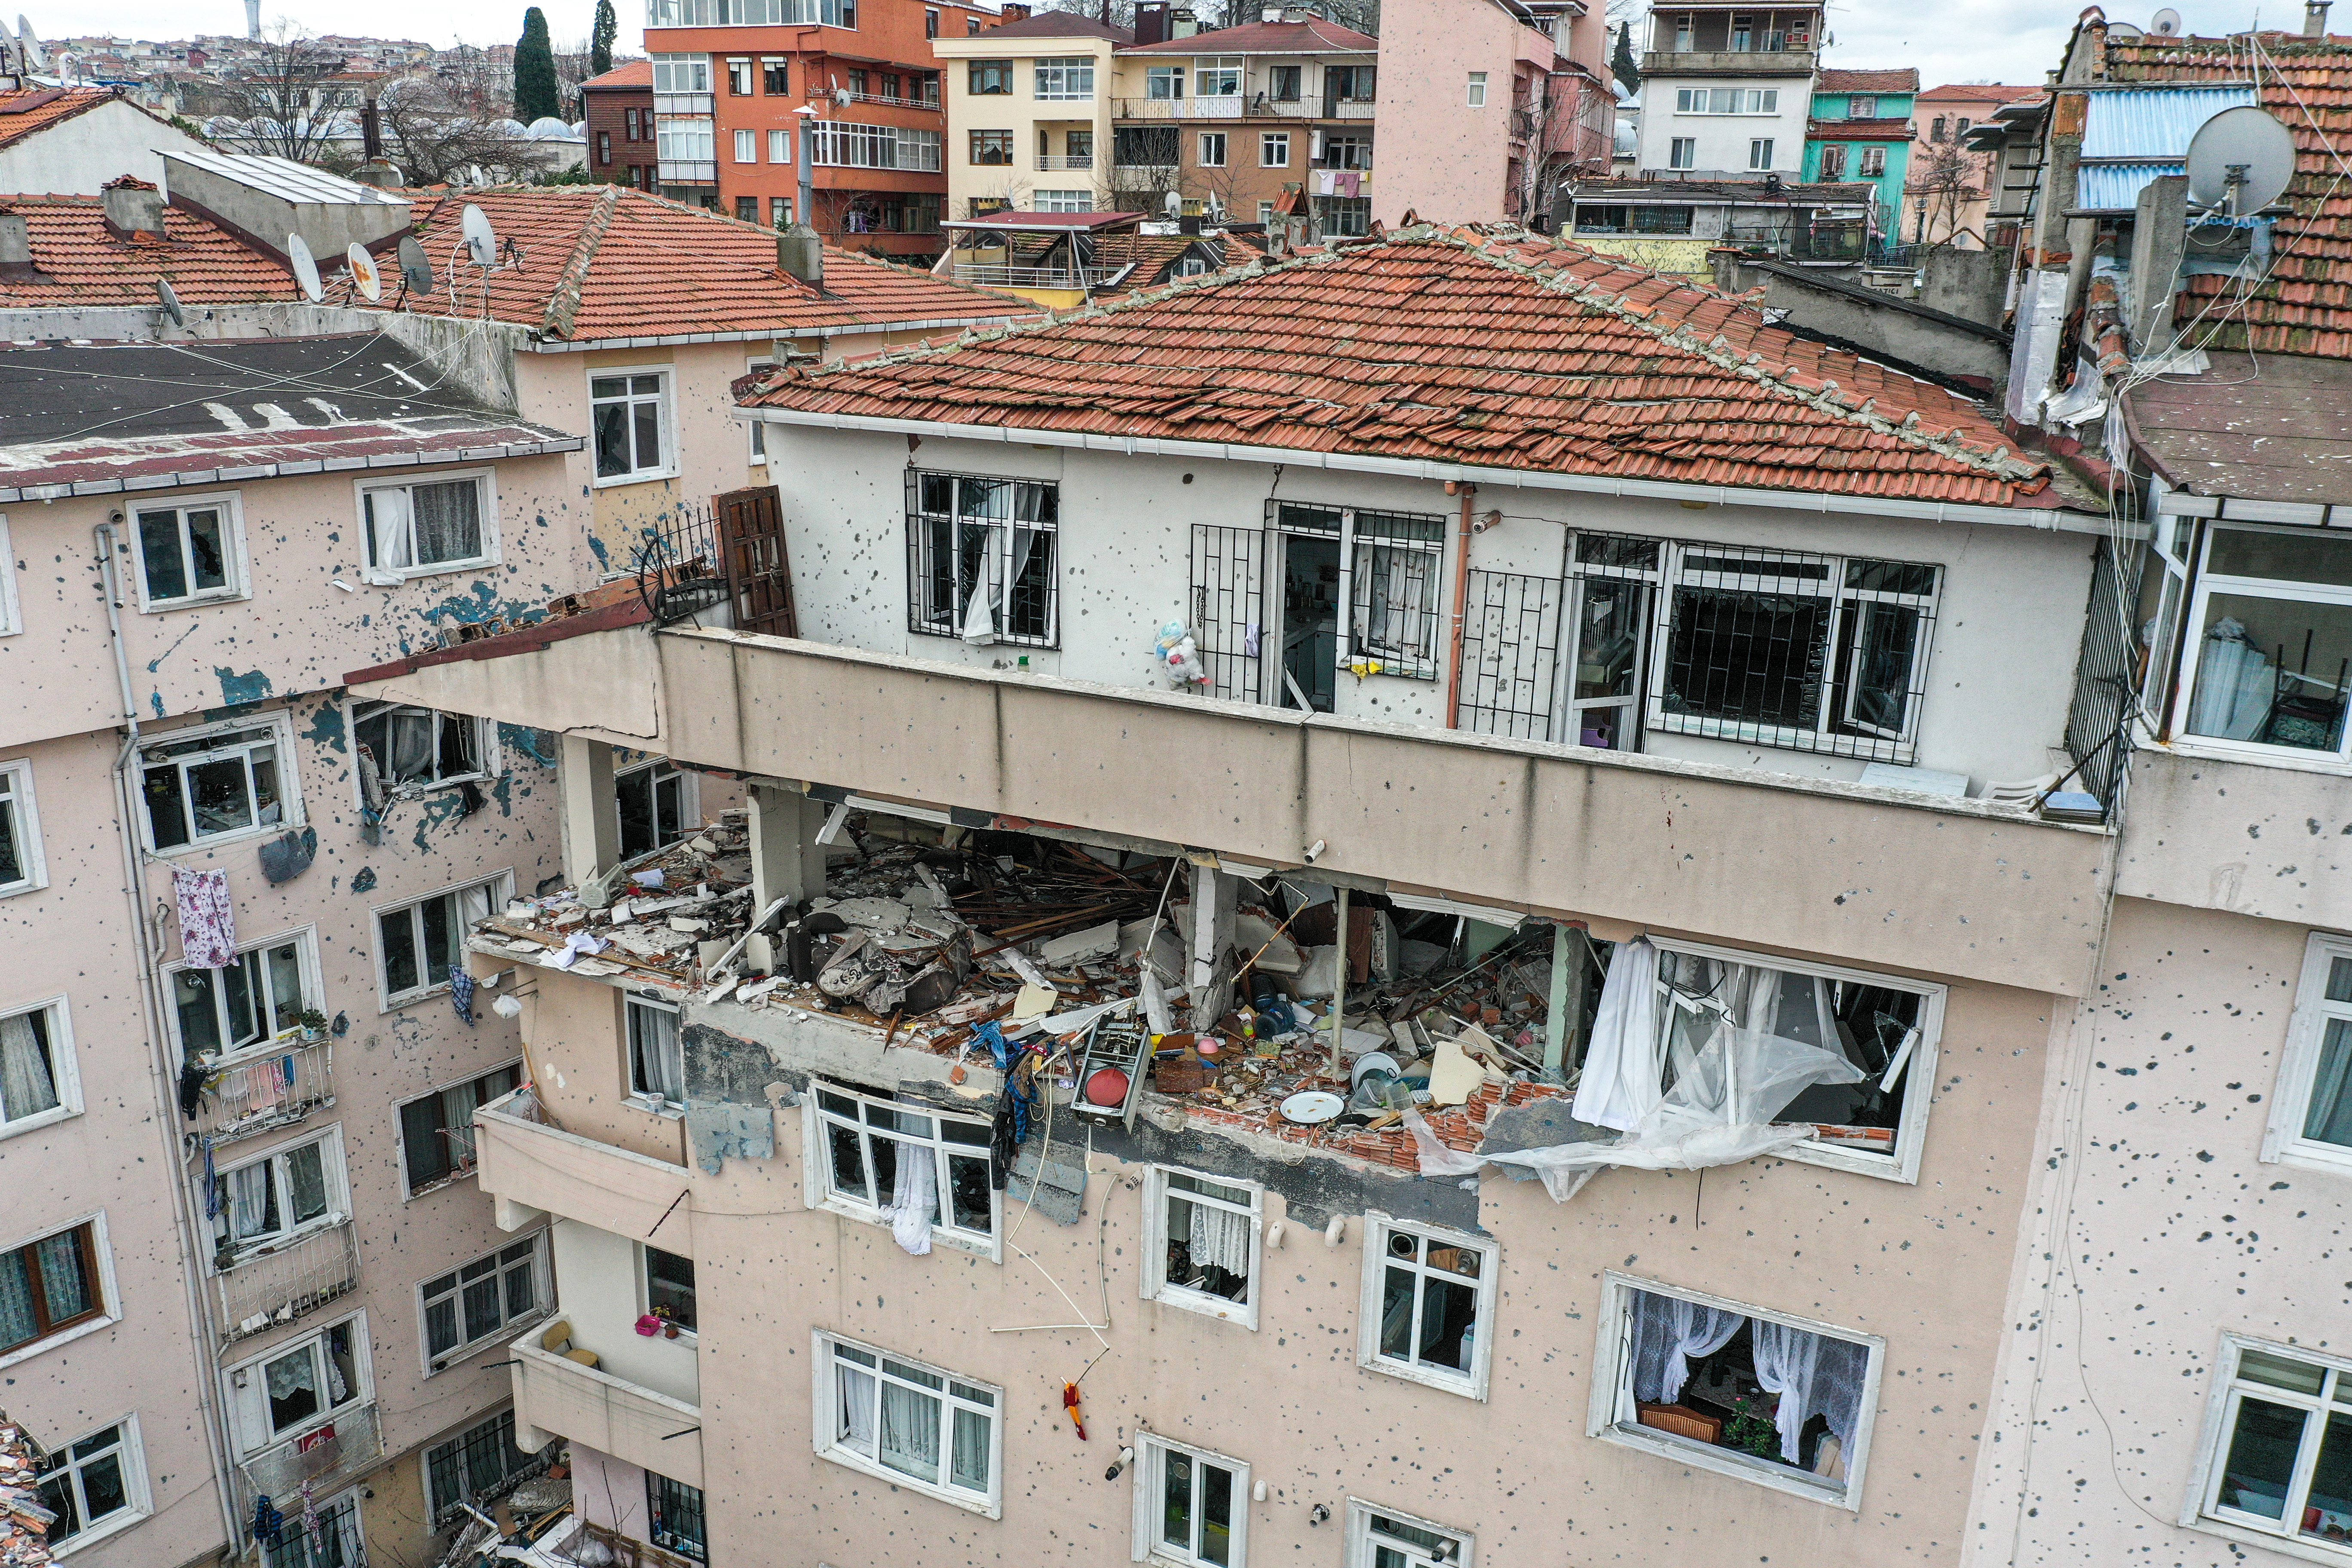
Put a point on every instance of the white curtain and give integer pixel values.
(1220, 1238)
(448, 521)
(1669, 1334)
(388, 518)
(980, 542)
(910, 1431)
(409, 738)
(1622, 1068)
(857, 1391)
(26, 1088)
(2235, 685)
(660, 1067)
(1813, 1377)
(306, 1177)
(17, 1322)
(915, 1198)
(292, 1375)
(1396, 599)
(249, 1200)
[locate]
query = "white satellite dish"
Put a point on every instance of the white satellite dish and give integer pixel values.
(474, 175)
(481, 240)
(1174, 203)
(366, 277)
(2242, 159)
(416, 267)
(2165, 24)
(2123, 32)
(306, 268)
(34, 54)
(170, 299)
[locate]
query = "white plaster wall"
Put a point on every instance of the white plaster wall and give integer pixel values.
(78, 156)
(600, 1283)
(608, 1491)
(1723, 138)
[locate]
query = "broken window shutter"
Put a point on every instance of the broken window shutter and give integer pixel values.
(758, 569)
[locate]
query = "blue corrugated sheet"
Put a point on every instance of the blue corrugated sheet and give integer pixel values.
(2154, 122)
(2114, 187)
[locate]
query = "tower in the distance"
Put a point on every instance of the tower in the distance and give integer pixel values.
(253, 18)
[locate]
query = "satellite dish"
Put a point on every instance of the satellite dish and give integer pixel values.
(2124, 32)
(481, 240)
(1174, 203)
(2165, 24)
(170, 299)
(365, 276)
(34, 54)
(842, 95)
(474, 176)
(2242, 159)
(305, 270)
(416, 267)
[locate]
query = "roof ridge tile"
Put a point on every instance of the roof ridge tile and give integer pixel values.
(563, 301)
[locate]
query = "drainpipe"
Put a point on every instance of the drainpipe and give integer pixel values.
(166, 1077)
(1460, 592)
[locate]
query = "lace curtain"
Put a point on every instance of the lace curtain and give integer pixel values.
(915, 1197)
(1668, 1334)
(17, 1319)
(1219, 1239)
(447, 521)
(26, 1086)
(1814, 1375)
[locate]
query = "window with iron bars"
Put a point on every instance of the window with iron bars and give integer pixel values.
(476, 1465)
(982, 559)
(1391, 579)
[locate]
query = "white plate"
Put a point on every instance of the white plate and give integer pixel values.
(1314, 1106)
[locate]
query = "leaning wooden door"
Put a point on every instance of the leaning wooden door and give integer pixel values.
(759, 572)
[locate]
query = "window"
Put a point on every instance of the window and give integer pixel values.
(776, 76)
(604, 146)
(656, 1070)
(48, 1286)
(1081, 146)
(2311, 1114)
(1212, 149)
(1144, 146)
(1265, 207)
(779, 151)
(1343, 217)
(436, 525)
(1874, 162)
(630, 414)
(894, 1164)
(1062, 201)
(685, 139)
(1346, 153)
(674, 1509)
(476, 1465)
(1727, 101)
(38, 1081)
(1273, 152)
(981, 558)
(739, 78)
(2269, 668)
(1964, 125)
(780, 215)
(910, 1423)
(669, 1287)
(1351, 83)
(972, 26)
(1164, 83)
(1683, 153)
(468, 1307)
(295, 1391)
(257, 1000)
(265, 1203)
(437, 1130)
(1390, 571)
(1937, 128)
(988, 79)
(188, 554)
(1833, 163)
(924, 87)
(656, 806)
(1383, 1538)
(2277, 1460)
(21, 865)
(418, 943)
(339, 1541)
(1191, 1506)
(747, 209)
(1759, 152)
(858, 83)
(1066, 78)
(841, 144)
(629, 126)
(747, 148)
(1428, 1305)
(681, 73)
(216, 783)
(1612, 218)
(1861, 106)
(930, 24)
(1217, 75)
(415, 748)
(1725, 1387)
(1200, 1243)
(95, 1484)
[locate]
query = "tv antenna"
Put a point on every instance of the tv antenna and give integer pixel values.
(2239, 162)
(366, 277)
(306, 268)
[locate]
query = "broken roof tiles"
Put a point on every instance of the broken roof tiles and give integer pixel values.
(1488, 348)
(78, 261)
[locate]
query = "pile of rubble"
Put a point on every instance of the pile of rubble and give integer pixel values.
(25, 1521)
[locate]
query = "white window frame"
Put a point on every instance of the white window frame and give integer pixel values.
(747, 146)
(1751, 100)
(289, 781)
(360, 1394)
(1359, 1543)
(2283, 1140)
(488, 762)
(688, 1333)
(1064, 201)
(400, 1132)
(65, 1073)
(1155, 1285)
(817, 1182)
(502, 888)
(230, 505)
(2192, 651)
(689, 795)
(1001, 538)
(1269, 144)
(1064, 79)
(11, 622)
(334, 1174)
(1475, 94)
(1681, 153)
(646, 1099)
(486, 483)
(825, 1404)
(109, 1295)
(305, 941)
(1152, 1451)
(1759, 152)
(1377, 1227)
(666, 418)
(1211, 141)
(780, 146)
(757, 436)
(2200, 1503)
(17, 799)
(695, 69)
(1163, 84)
(138, 1499)
(1217, 68)
(1609, 1414)
(542, 1288)
(1873, 163)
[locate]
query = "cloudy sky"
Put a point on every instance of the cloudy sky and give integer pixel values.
(2012, 41)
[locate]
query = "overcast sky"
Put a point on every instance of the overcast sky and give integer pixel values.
(2013, 41)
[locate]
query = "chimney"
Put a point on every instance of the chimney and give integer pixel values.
(2314, 18)
(1010, 12)
(132, 207)
(370, 125)
(1151, 22)
(1183, 24)
(16, 245)
(800, 252)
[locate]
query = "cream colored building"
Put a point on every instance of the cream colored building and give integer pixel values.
(1029, 114)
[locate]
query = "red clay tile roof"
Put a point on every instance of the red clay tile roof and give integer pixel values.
(1314, 36)
(79, 262)
(636, 73)
(1985, 92)
(603, 261)
(39, 107)
(1905, 80)
(2304, 305)
(1059, 25)
(1487, 349)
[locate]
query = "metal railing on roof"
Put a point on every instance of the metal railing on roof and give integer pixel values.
(1033, 277)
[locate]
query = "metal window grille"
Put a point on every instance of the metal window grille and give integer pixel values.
(1229, 607)
(1510, 655)
(2099, 717)
(675, 560)
(477, 1466)
(1396, 588)
(963, 529)
(677, 1517)
(327, 1537)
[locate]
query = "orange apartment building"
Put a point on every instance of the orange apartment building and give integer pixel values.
(732, 75)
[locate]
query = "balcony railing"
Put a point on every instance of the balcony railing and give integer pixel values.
(325, 1457)
(1033, 277)
(262, 1092)
(683, 104)
(1048, 163)
(264, 1289)
(1671, 63)
(556, 1394)
(1253, 106)
(688, 172)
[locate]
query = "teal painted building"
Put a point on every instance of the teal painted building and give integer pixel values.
(1860, 133)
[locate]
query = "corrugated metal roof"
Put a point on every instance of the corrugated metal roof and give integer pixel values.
(2154, 121)
(2116, 187)
(284, 178)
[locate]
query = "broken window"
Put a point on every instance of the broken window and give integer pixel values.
(95, 1486)
(2270, 664)
(257, 999)
(1736, 1390)
(1428, 1304)
(1398, 559)
(1191, 1506)
(48, 1286)
(426, 527)
(216, 783)
(20, 831)
(265, 1203)
(468, 1306)
(910, 1423)
(657, 1068)
(417, 944)
(437, 1130)
(402, 746)
(2280, 1463)
(669, 1288)
(630, 416)
(922, 1174)
(296, 1390)
(476, 1465)
(1383, 1538)
(655, 805)
(1200, 1243)
(188, 554)
(2311, 1119)
(981, 559)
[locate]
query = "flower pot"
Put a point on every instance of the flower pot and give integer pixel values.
(670, 1330)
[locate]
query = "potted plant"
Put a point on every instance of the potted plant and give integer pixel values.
(313, 1024)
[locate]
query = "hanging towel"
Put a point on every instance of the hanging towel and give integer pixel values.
(461, 993)
(207, 925)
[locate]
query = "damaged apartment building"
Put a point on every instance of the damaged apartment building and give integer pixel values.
(1404, 906)
(250, 1299)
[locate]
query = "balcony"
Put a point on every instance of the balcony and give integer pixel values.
(554, 1393)
(524, 1161)
(267, 1288)
(688, 103)
(2252, 837)
(1675, 63)
(687, 171)
(994, 276)
(1048, 163)
(325, 1459)
(1257, 106)
(264, 1092)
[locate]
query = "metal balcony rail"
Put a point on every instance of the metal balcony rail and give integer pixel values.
(1049, 161)
(259, 1093)
(1033, 277)
(265, 1288)
(324, 1457)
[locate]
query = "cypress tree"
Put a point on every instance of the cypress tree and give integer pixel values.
(535, 95)
(600, 43)
(1621, 64)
